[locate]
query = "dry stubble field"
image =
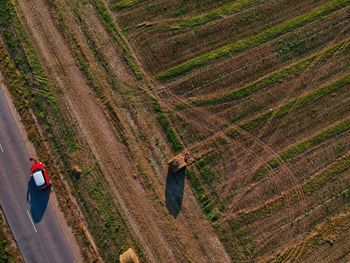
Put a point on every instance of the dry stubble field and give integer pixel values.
(259, 93)
(256, 90)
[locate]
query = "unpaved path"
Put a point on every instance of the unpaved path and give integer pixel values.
(163, 238)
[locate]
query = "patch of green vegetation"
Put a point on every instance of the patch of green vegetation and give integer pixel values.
(114, 32)
(292, 47)
(308, 188)
(244, 239)
(257, 122)
(202, 197)
(124, 4)
(172, 137)
(180, 11)
(276, 31)
(207, 173)
(216, 14)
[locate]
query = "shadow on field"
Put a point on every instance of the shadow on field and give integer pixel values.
(174, 191)
(37, 200)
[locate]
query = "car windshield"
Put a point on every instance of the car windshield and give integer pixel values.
(39, 178)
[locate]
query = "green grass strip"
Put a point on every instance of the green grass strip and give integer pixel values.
(276, 31)
(207, 205)
(216, 14)
(124, 4)
(112, 29)
(296, 103)
(308, 188)
(273, 78)
(304, 146)
(172, 137)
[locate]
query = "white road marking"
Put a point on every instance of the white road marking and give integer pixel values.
(31, 220)
(1, 148)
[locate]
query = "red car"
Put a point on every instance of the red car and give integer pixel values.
(40, 176)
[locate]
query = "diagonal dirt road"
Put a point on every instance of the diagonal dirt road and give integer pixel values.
(163, 238)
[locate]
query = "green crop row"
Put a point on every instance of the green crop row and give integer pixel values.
(124, 4)
(113, 31)
(308, 188)
(296, 103)
(172, 137)
(276, 31)
(304, 146)
(274, 77)
(206, 204)
(216, 14)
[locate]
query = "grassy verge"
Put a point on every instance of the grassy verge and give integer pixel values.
(216, 14)
(308, 188)
(296, 103)
(276, 31)
(31, 90)
(303, 146)
(274, 77)
(9, 252)
(124, 4)
(113, 31)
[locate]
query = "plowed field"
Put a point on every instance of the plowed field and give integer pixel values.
(257, 91)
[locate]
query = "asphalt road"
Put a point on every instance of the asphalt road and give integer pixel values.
(32, 219)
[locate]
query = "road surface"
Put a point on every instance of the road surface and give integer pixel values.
(32, 219)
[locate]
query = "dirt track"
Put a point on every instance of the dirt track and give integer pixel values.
(163, 238)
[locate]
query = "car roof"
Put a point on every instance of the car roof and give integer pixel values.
(39, 178)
